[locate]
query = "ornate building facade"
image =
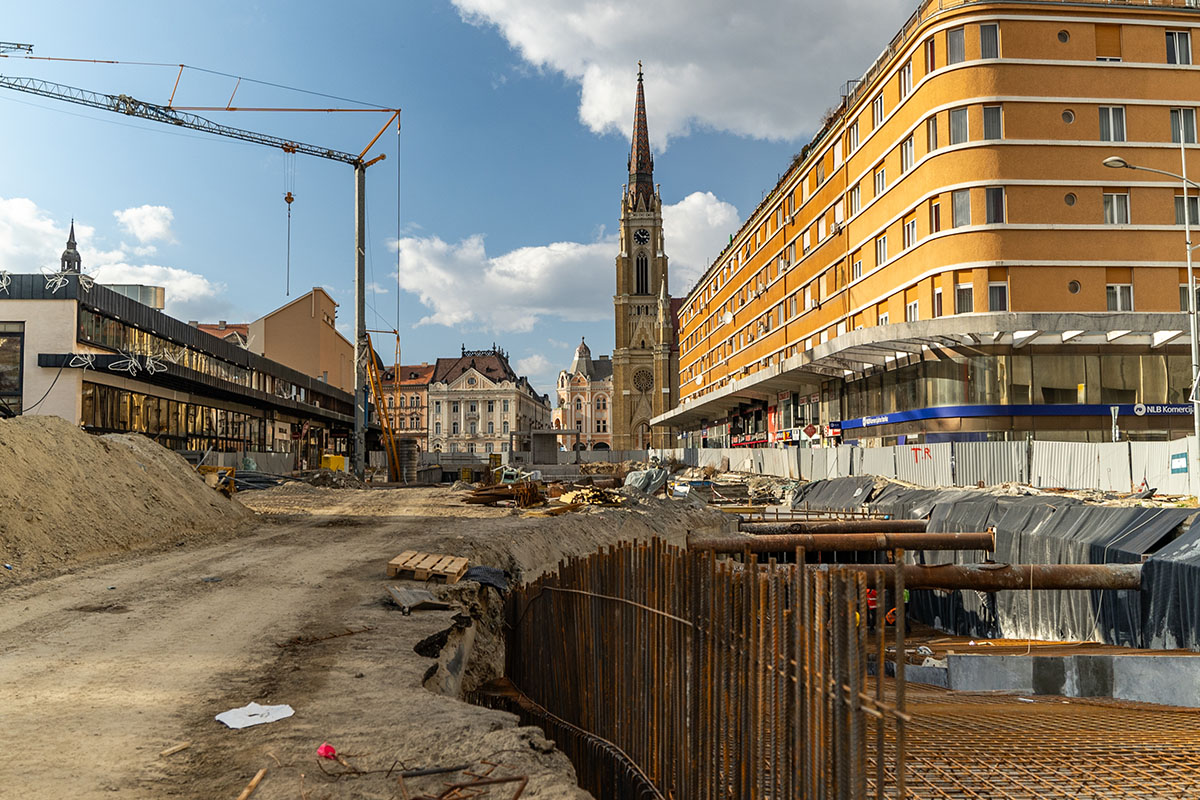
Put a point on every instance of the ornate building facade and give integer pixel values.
(476, 401)
(406, 387)
(585, 392)
(645, 359)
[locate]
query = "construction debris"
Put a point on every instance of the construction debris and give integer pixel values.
(336, 479)
(433, 567)
(592, 496)
(170, 751)
(253, 714)
(411, 600)
(523, 494)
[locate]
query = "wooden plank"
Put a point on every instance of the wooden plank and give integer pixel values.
(442, 564)
(455, 570)
(422, 569)
(398, 563)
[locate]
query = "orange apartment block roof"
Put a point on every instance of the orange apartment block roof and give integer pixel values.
(222, 330)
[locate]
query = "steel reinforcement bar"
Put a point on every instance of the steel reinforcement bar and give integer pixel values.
(710, 680)
(844, 542)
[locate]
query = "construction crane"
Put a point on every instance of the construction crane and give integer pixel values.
(124, 104)
(15, 47)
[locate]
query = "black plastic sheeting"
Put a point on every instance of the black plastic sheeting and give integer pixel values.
(1046, 529)
(1171, 582)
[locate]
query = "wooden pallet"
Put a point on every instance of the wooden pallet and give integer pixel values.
(427, 567)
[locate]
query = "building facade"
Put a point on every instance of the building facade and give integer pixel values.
(585, 392)
(950, 259)
(406, 389)
(303, 335)
(645, 360)
(476, 402)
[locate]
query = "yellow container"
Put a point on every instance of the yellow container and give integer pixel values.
(336, 463)
(464, 474)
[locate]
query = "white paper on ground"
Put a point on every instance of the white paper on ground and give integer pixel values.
(253, 714)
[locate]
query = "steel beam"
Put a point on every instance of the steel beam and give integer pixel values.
(836, 526)
(999, 577)
(845, 542)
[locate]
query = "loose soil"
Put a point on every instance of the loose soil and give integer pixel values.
(105, 667)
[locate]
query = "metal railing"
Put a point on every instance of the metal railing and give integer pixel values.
(669, 674)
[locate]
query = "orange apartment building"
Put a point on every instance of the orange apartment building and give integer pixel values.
(949, 259)
(406, 389)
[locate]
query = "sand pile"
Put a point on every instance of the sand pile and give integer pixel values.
(67, 496)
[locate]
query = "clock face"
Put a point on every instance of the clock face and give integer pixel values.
(642, 236)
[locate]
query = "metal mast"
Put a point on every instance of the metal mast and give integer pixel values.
(124, 104)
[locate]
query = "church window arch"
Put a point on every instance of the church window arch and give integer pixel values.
(642, 275)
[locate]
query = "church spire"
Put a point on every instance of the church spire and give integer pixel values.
(71, 260)
(641, 164)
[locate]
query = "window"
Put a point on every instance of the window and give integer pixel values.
(905, 80)
(931, 139)
(413, 402)
(852, 137)
(474, 407)
(1108, 42)
(1179, 47)
(1183, 125)
(491, 427)
(505, 406)
(883, 318)
(491, 406)
(454, 408)
(601, 426)
(1183, 292)
(935, 217)
(792, 306)
(992, 128)
(964, 298)
(956, 45)
(474, 428)
(877, 111)
(989, 41)
(995, 204)
(911, 313)
(1112, 123)
(437, 428)
(856, 270)
(881, 250)
(601, 403)
(470, 447)
(997, 297)
(959, 132)
(961, 210)
(504, 426)
(1193, 206)
(930, 56)
(643, 275)
(906, 155)
(1116, 209)
(400, 423)
(880, 181)
(1120, 296)
(937, 303)
(821, 229)
(579, 404)
(489, 448)
(392, 402)
(437, 406)
(855, 199)
(910, 233)
(454, 428)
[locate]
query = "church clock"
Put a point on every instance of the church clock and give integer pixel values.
(642, 236)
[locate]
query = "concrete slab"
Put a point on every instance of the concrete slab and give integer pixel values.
(1170, 680)
(984, 673)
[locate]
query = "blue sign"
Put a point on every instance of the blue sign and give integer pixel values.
(1024, 410)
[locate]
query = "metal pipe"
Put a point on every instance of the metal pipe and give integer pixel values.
(845, 542)
(836, 526)
(999, 577)
(358, 452)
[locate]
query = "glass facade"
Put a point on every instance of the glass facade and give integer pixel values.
(12, 347)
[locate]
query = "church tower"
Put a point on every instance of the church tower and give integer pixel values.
(645, 359)
(71, 261)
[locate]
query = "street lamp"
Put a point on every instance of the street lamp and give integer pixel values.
(1116, 162)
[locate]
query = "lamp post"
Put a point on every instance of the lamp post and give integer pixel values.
(1116, 162)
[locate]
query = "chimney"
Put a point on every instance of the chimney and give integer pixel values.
(195, 323)
(221, 325)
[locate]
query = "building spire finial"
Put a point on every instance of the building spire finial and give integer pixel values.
(641, 164)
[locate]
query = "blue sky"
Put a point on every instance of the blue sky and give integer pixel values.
(513, 152)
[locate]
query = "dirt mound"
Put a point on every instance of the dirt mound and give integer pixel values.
(67, 496)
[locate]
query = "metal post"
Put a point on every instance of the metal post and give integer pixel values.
(361, 348)
(1187, 235)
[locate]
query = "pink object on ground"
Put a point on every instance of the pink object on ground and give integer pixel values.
(326, 750)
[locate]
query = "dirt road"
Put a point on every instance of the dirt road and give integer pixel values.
(105, 667)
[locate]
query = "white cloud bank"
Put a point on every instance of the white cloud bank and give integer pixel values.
(760, 68)
(31, 241)
(147, 223)
(461, 284)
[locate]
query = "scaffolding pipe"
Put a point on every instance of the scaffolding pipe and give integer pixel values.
(845, 542)
(837, 526)
(999, 577)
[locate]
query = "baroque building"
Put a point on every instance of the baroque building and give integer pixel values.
(585, 392)
(405, 388)
(645, 359)
(475, 401)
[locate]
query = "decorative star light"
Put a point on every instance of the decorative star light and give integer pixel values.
(5, 281)
(128, 364)
(56, 280)
(84, 360)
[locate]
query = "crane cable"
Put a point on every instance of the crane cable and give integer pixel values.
(289, 183)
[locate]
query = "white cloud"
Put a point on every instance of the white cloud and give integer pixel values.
(462, 285)
(375, 288)
(147, 223)
(535, 364)
(760, 68)
(31, 241)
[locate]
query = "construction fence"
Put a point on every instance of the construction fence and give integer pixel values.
(1168, 467)
(744, 680)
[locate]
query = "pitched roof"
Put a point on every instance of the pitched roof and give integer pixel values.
(641, 163)
(240, 328)
(491, 365)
